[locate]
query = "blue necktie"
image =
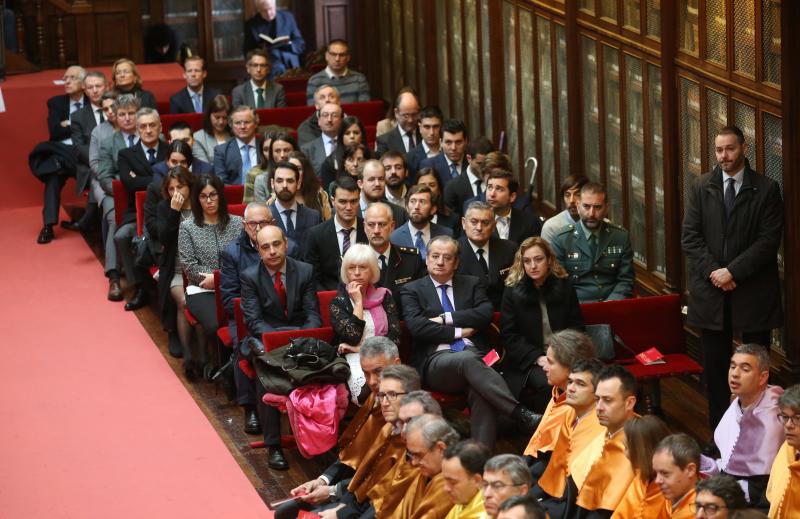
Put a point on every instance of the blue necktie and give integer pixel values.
(420, 244)
(198, 103)
(151, 156)
(289, 224)
(246, 165)
(447, 306)
(131, 141)
(453, 170)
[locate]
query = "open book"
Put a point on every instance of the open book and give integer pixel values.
(279, 40)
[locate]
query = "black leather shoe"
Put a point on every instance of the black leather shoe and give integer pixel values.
(275, 459)
(174, 345)
(114, 290)
(138, 300)
(526, 419)
(45, 235)
(72, 225)
(251, 423)
(190, 370)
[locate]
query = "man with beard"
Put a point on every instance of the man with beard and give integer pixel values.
(293, 218)
(396, 174)
(372, 181)
(595, 252)
(571, 195)
(419, 230)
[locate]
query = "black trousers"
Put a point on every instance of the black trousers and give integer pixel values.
(717, 352)
(53, 184)
(270, 419)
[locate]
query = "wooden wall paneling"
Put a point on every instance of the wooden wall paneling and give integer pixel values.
(332, 19)
(647, 149)
(498, 95)
(624, 133)
(574, 75)
(113, 37)
(790, 73)
(448, 31)
(520, 116)
(429, 28)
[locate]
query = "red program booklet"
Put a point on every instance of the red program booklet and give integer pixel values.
(490, 358)
(650, 357)
(302, 514)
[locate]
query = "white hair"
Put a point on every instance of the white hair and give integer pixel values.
(360, 254)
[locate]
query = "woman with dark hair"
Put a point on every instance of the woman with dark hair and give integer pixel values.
(215, 129)
(443, 216)
(125, 79)
(643, 498)
(200, 240)
(538, 300)
(174, 207)
(310, 193)
(351, 132)
(280, 146)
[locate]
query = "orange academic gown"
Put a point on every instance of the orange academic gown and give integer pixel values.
(783, 489)
(431, 503)
(402, 482)
(386, 449)
(643, 500)
(360, 433)
(556, 415)
(683, 509)
(609, 474)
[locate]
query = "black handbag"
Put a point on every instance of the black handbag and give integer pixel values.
(303, 361)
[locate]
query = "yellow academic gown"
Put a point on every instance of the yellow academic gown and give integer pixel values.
(684, 508)
(432, 503)
(382, 455)
(472, 510)
(555, 416)
(783, 489)
(608, 476)
(643, 500)
(360, 433)
(402, 482)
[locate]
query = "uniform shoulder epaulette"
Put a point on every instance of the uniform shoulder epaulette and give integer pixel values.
(408, 250)
(612, 225)
(565, 229)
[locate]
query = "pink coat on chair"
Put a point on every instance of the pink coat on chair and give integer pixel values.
(314, 415)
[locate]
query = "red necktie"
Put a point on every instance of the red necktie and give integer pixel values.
(280, 290)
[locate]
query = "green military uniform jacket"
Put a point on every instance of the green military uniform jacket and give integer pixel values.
(607, 276)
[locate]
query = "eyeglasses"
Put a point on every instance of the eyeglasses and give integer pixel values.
(208, 197)
(497, 485)
(709, 509)
(412, 457)
(391, 395)
(329, 115)
(785, 419)
(259, 224)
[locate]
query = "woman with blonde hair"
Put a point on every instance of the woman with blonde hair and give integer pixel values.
(539, 300)
(125, 79)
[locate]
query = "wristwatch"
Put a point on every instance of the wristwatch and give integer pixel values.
(332, 491)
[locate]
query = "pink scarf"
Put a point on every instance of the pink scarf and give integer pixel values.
(373, 303)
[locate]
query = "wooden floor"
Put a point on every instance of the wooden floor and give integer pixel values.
(683, 404)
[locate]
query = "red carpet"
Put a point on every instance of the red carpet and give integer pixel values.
(24, 124)
(94, 422)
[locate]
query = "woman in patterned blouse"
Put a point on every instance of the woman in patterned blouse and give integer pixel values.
(200, 240)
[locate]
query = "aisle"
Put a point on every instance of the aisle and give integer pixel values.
(93, 422)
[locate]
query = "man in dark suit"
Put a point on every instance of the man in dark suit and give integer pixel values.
(234, 159)
(277, 294)
(399, 265)
(294, 219)
(372, 182)
(309, 128)
(469, 185)
(259, 92)
(452, 162)
(136, 173)
(274, 24)
(405, 136)
(81, 125)
(330, 120)
(483, 255)
(328, 241)
(430, 131)
(59, 112)
(445, 313)
(196, 96)
(419, 229)
(512, 223)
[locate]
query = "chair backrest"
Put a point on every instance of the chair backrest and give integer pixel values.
(274, 340)
(140, 198)
(237, 209)
(234, 194)
(296, 98)
(194, 120)
(369, 112)
(294, 84)
(120, 200)
(222, 321)
(324, 299)
(241, 329)
(289, 117)
(641, 322)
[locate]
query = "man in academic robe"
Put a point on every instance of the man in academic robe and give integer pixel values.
(749, 433)
(376, 354)
(504, 476)
(675, 462)
(783, 489)
(462, 469)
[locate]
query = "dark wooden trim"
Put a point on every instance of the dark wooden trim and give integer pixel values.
(496, 66)
(520, 158)
(574, 93)
(432, 60)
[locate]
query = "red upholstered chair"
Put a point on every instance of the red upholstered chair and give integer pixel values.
(191, 319)
(234, 194)
(237, 209)
(241, 329)
(194, 120)
(162, 107)
(370, 112)
(294, 84)
(296, 98)
(120, 200)
(223, 332)
(372, 130)
(290, 117)
(140, 197)
(324, 299)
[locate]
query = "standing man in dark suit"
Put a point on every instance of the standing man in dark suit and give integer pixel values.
(196, 96)
(445, 313)
(273, 23)
(81, 125)
(259, 92)
(330, 119)
(136, 173)
(294, 219)
(452, 162)
(484, 255)
(328, 241)
(430, 131)
(405, 136)
(277, 294)
(234, 159)
(419, 229)
(399, 265)
(512, 223)
(469, 185)
(731, 233)
(59, 112)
